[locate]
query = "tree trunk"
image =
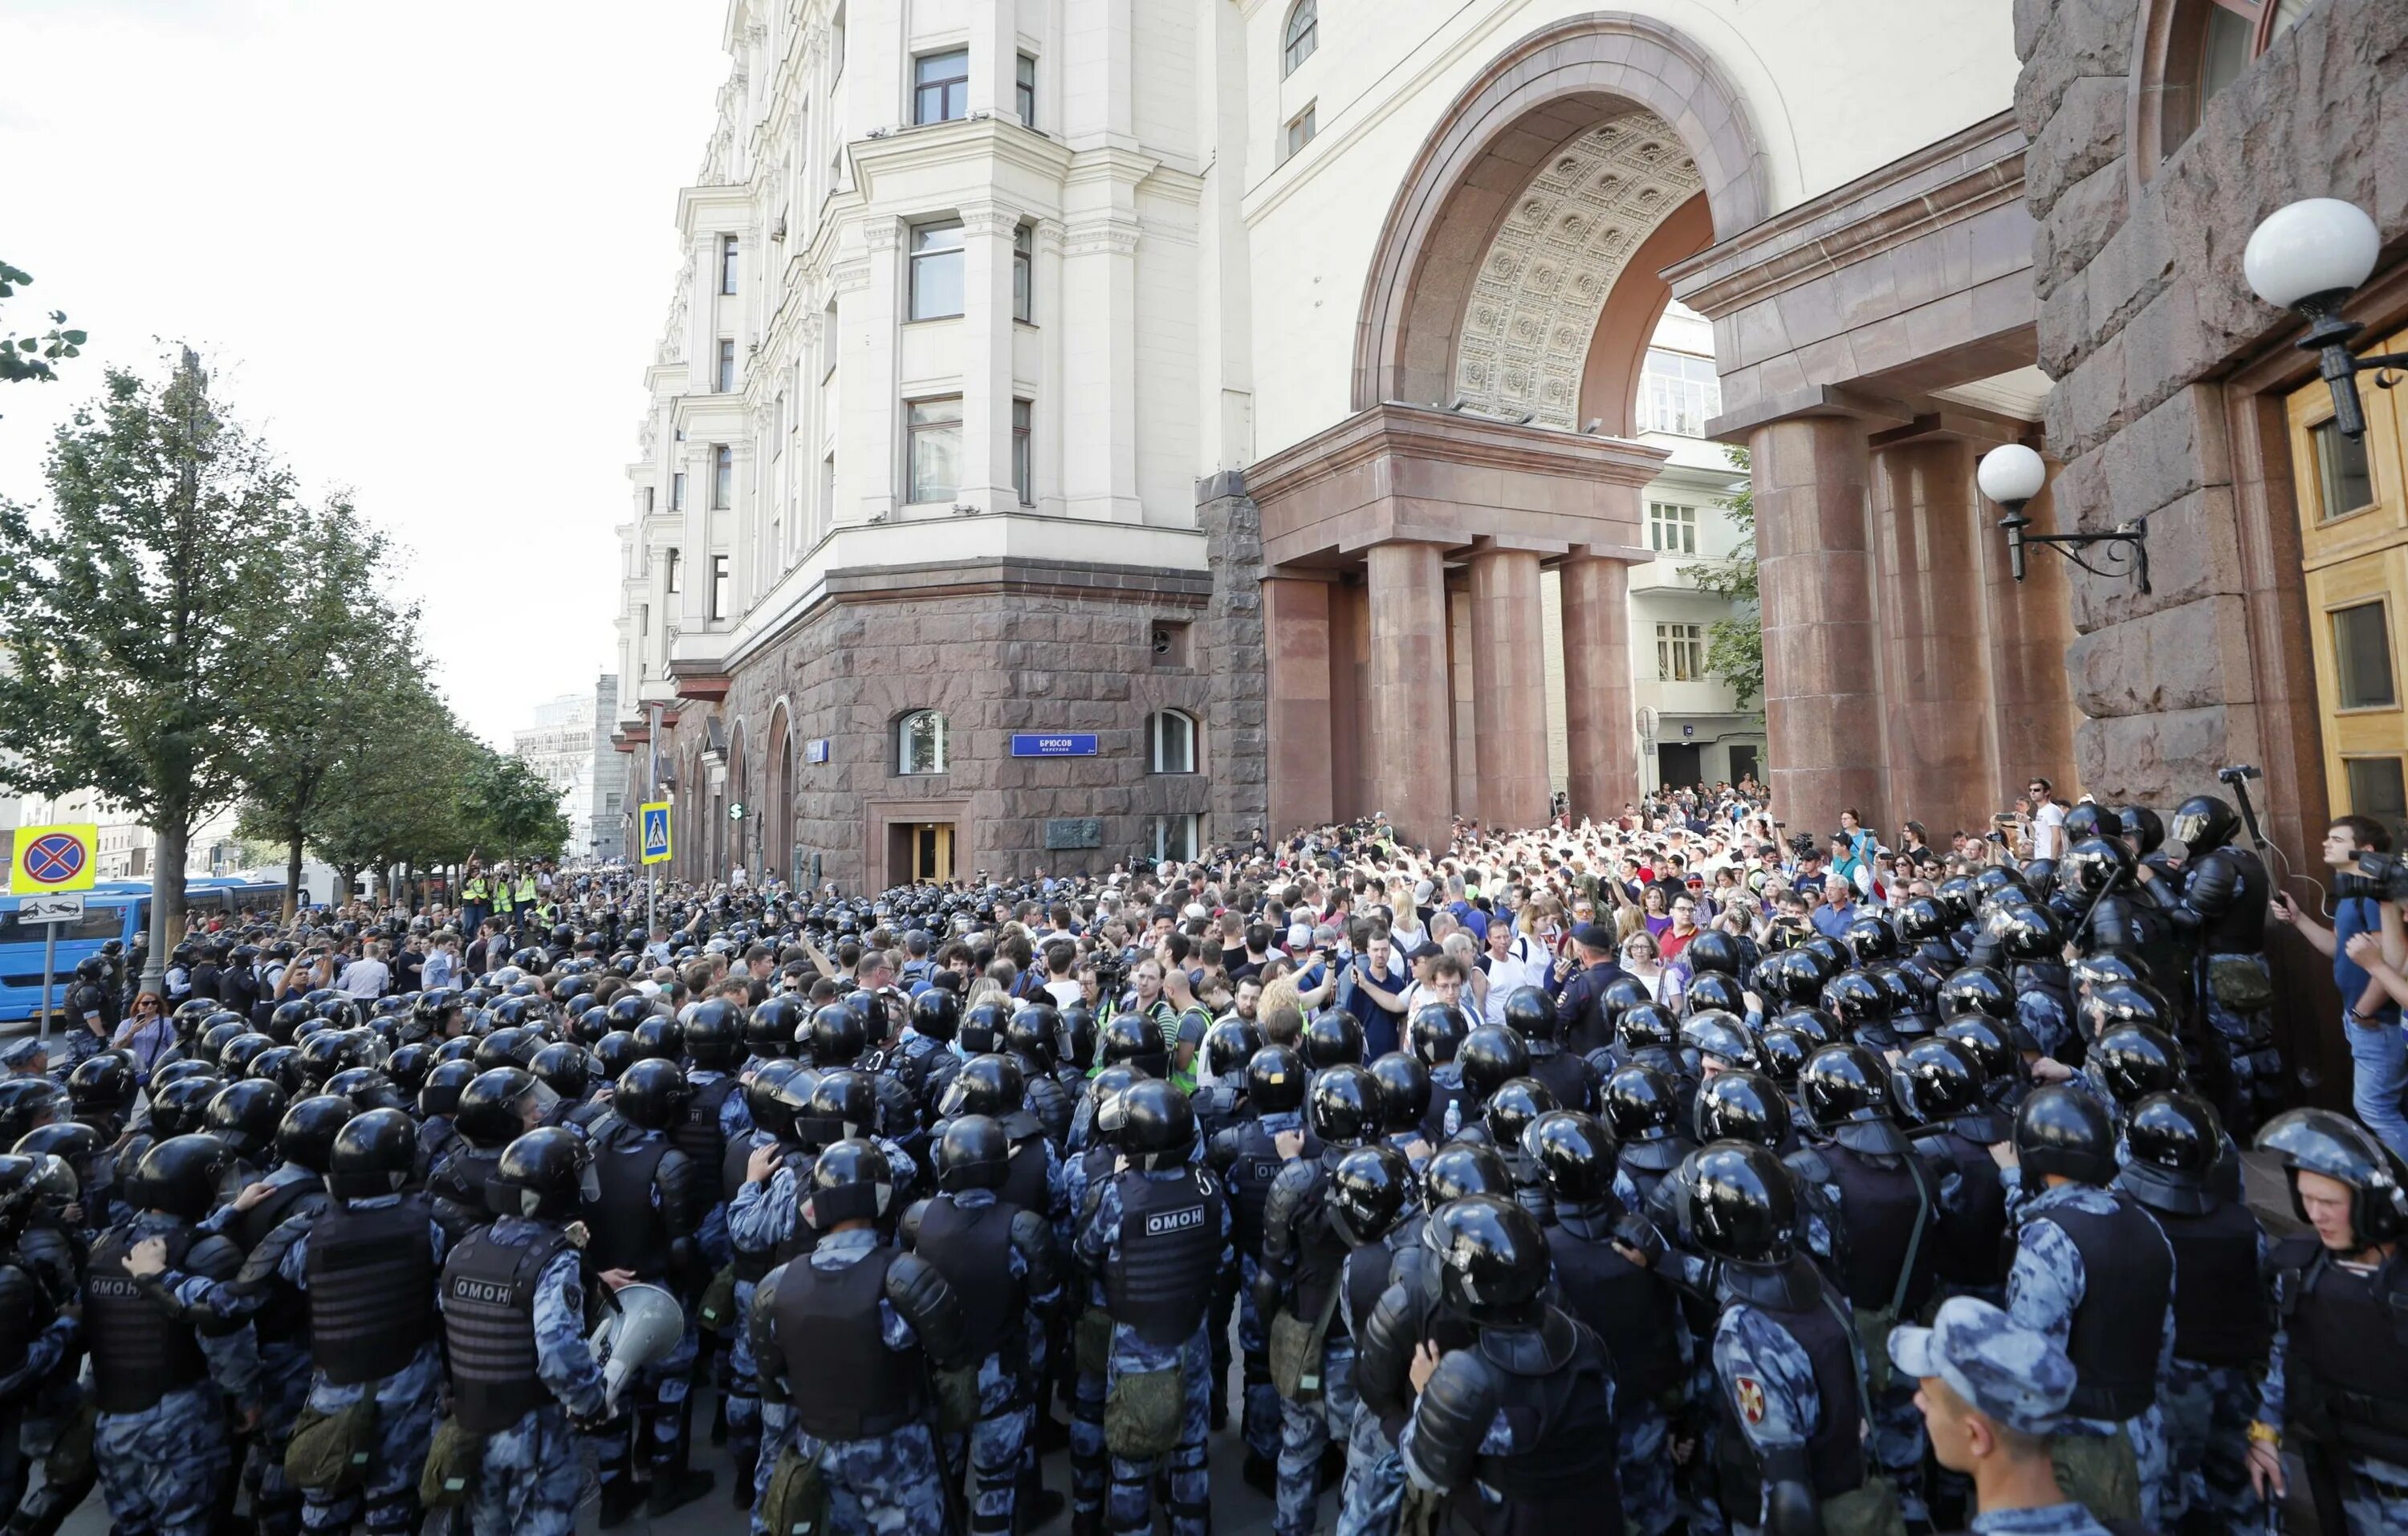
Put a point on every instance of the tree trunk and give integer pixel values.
(166, 900)
(292, 879)
(341, 896)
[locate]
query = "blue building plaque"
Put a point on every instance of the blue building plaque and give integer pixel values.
(1063, 744)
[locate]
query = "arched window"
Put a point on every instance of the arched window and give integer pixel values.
(1303, 34)
(919, 743)
(2191, 49)
(1170, 741)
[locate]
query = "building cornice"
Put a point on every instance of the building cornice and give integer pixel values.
(968, 141)
(1409, 431)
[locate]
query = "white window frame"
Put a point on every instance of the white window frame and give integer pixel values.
(1675, 645)
(1167, 729)
(1301, 38)
(952, 92)
(923, 258)
(1672, 528)
(913, 431)
(908, 763)
(1168, 835)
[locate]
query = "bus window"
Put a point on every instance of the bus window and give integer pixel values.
(98, 924)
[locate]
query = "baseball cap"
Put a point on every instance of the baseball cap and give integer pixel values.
(1590, 935)
(21, 1051)
(2007, 1373)
(1428, 950)
(1300, 937)
(1421, 889)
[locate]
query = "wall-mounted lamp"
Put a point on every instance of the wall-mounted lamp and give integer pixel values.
(2011, 474)
(2309, 258)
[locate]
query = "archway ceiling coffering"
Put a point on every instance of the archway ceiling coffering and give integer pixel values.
(1553, 262)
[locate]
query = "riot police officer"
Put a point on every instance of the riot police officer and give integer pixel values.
(1946, 1090)
(2221, 909)
(1248, 1158)
(496, 1107)
(1566, 1074)
(37, 1325)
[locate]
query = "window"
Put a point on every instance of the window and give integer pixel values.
(935, 451)
(2362, 657)
(2376, 790)
(1303, 34)
(1678, 393)
(937, 271)
(650, 492)
(1023, 274)
(676, 570)
(1671, 528)
(727, 263)
(2191, 49)
(1176, 837)
(827, 488)
(1171, 742)
(719, 586)
(1023, 482)
(723, 478)
(940, 86)
(2343, 482)
(677, 492)
(836, 47)
(1024, 90)
(727, 381)
(1680, 652)
(1300, 129)
(919, 743)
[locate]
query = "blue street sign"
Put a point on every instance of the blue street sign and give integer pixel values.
(1073, 744)
(815, 750)
(657, 833)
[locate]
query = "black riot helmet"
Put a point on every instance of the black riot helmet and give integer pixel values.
(1129, 1037)
(1275, 1081)
(214, 1038)
(2203, 822)
(440, 1093)
(408, 1068)
(1992, 881)
(2041, 877)
(714, 1035)
(513, 1046)
(1437, 1033)
(1332, 1038)
(488, 1117)
(1030, 1032)
(1724, 1037)
(543, 1174)
(1404, 1091)
(2143, 826)
(374, 1154)
(306, 1137)
(658, 1038)
(974, 1152)
(1491, 1258)
(2065, 1131)
(285, 1019)
(2106, 968)
(1491, 1056)
(1623, 991)
(836, 1037)
(991, 1085)
(1076, 1047)
(566, 1069)
(2113, 1003)
(1812, 1022)
(177, 1108)
(2026, 932)
(1919, 920)
(850, 1180)
(1844, 1083)
(1514, 1107)
(1645, 1025)
(1797, 977)
(1743, 1106)
(2175, 1133)
(2094, 865)
(1230, 1045)
(1531, 1011)
(2135, 1060)
(235, 1056)
(1575, 1155)
(2324, 1142)
(982, 1023)
(615, 1052)
(1859, 1000)
(1158, 1124)
(770, 1031)
(1870, 939)
(1464, 1168)
(1740, 1204)
(766, 1099)
(1784, 1051)
(1370, 1191)
(1830, 955)
(843, 1104)
(1711, 991)
(245, 1117)
(1942, 1078)
(1641, 1104)
(652, 1095)
(1957, 898)
(1714, 953)
(630, 1008)
(1109, 1091)
(1976, 990)
(936, 1013)
(180, 1176)
(1992, 1046)
(1345, 1105)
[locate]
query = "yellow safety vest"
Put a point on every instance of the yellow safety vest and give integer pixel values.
(474, 890)
(527, 893)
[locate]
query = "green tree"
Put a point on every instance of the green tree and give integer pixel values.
(29, 357)
(1735, 645)
(517, 808)
(143, 614)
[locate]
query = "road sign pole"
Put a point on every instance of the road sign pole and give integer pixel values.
(50, 968)
(652, 793)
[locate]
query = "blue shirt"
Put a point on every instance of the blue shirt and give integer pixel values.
(1832, 922)
(2354, 915)
(1378, 1023)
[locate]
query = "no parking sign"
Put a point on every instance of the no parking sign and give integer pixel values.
(58, 857)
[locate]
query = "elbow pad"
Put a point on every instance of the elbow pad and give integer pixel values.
(929, 1303)
(1790, 1509)
(907, 1231)
(1452, 1418)
(1383, 1352)
(1032, 1238)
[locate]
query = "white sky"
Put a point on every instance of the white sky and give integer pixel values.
(427, 248)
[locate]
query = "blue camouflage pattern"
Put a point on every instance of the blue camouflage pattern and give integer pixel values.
(1778, 1409)
(532, 1472)
(162, 1471)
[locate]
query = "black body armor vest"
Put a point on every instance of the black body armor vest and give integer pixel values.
(2345, 1372)
(2128, 1274)
(371, 1289)
(1159, 1276)
(1636, 1314)
(698, 1135)
(843, 1382)
(139, 1353)
(489, 1325)
(972, 1249)
(2220, 1312)
(627, 1227)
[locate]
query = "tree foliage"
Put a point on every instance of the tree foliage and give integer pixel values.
(1735, 645)
(519, 808)
(29, 357)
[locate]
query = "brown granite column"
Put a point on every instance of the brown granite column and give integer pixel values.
(1601, 733)
(1409, 747)
(1508, 688)
(2030, 625)
(1822, 702)
(1936, 704)
(1296, 635)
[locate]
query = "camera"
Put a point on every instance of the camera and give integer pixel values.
(2388, 873)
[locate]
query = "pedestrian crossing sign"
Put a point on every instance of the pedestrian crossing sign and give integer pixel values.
(657, 833)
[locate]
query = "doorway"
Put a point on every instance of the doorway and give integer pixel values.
(1677, 766)
(919, 850)
(1743, 763)
(2353, 501)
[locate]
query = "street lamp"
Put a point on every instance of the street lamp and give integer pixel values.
(2011, 474)
(2309, 258)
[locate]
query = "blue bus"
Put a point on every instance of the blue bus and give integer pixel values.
(112, 909)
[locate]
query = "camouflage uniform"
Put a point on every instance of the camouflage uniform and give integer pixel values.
(1263, 1417)
(2375, 1501)
(162, 1471)
(2246, 1043)
(2043, 1289)
(529, 1480)
(886, 1486)
(1783, 1410)
(284, 1373)
(1129, 1505)
(999, 1444)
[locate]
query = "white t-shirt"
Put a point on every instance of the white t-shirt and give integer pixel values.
(2048, 831)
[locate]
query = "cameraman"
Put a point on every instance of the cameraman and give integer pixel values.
(2371, 984)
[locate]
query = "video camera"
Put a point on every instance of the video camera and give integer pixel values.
(2388, 873)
